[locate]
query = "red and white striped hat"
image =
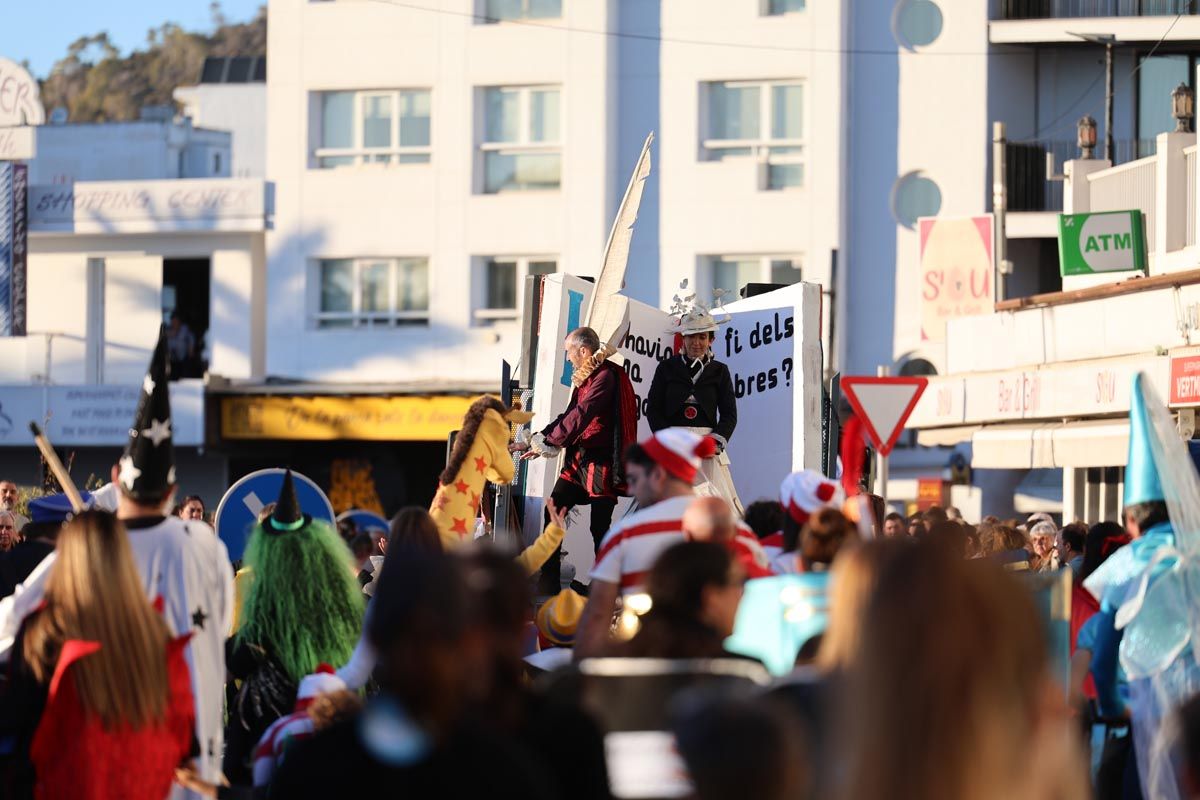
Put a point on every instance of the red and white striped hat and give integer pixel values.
(805, 491)
(679, 451)
(322, 681)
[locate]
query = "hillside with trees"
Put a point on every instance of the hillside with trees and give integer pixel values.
(95, 83)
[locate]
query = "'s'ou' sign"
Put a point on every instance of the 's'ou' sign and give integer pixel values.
(1107, 241)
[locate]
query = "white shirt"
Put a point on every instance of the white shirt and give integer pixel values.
(632, 546)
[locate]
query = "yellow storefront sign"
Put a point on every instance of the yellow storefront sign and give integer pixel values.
(394, 418)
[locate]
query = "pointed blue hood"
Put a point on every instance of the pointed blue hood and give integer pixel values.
(1142, 484)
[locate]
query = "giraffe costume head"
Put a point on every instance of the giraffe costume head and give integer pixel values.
(480, 454)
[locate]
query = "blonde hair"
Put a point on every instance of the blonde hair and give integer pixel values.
(852, 583)
(94, 593)
(951, 649)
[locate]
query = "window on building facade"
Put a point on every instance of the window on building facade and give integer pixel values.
(501, 10)
(773, 8)
(1157, 78)
(386, 127)
(500, 285)
(522, 148)
(732, 273)
(373, 292)
(762, 120)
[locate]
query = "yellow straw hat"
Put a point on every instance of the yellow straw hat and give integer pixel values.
(558, 617)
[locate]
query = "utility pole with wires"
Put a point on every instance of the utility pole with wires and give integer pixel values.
(1108, 98)
(1108, 40)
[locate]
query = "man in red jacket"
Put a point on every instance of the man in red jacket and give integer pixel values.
(593, 432)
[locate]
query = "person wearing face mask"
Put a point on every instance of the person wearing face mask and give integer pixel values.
(694, 390)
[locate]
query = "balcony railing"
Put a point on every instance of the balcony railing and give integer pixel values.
(1128, 186)
(1066, 9)
(1189, 158)
(1028, 189)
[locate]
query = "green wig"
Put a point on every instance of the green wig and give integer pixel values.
(304, 606)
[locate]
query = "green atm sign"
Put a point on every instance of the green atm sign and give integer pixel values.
(1107, 241)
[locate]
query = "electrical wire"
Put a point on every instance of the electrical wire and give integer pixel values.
(1186, 9)
(648, 37)
(1125, 85)
(1050, 125)
(1010, 51)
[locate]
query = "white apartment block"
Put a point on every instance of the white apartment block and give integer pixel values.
(427, 156)
(1036, 392)
(232, 96)
(162, 148)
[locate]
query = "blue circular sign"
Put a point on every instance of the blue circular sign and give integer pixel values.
(364, 520)
(238, 510)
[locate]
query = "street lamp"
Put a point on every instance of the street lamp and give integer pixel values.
(1086, 136)
(1183, 101)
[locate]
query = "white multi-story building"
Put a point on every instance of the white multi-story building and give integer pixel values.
(232, 96)
(126, 224)
(426, 157)
(1035, 392)
(157, 147)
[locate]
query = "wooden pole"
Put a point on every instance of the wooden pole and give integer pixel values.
(56, 466)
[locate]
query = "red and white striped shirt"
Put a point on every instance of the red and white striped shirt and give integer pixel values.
(632, 546)
(268, 755)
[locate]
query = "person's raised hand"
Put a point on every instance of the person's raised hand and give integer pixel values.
(558, 515)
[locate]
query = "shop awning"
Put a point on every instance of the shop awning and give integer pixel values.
(1088, 443)
(946, 437)
(398, 418)
(1040, 490)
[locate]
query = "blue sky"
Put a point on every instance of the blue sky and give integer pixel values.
(41, 30)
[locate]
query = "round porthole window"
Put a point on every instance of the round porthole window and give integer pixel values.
(916, 23)
(914, 196)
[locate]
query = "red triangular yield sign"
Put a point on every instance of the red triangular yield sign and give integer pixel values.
(883, 404)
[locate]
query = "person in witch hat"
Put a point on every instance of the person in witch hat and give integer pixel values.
(182, 562)
(1149, 597)
(303, 607)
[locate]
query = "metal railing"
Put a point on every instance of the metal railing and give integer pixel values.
(1189, 156)
(1059, 9)
(1127, 186)
(1025, 173)
(1028, 189)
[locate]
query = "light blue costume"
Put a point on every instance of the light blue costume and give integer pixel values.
(1149, 593)
(778, 615)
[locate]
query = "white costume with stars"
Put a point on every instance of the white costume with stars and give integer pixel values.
(184, 563)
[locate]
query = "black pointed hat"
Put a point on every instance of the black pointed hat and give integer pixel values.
(287, 515)
(147, 468)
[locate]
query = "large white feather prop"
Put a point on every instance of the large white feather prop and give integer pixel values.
(608, 312)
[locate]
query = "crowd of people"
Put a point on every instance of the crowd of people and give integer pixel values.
(814, 646)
